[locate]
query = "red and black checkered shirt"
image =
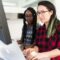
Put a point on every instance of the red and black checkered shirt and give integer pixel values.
(48, 44)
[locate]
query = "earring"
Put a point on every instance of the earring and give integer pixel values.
(26, 22)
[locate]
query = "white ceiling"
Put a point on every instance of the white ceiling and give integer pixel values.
(21, 3)
(12, 1)
(12, 6)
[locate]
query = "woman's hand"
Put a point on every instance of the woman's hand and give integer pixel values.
(27, 52)
(32, 55)
(30, 52)
(19, 41)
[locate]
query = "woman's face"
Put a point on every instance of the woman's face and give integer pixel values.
(29, 17)
(43, 14)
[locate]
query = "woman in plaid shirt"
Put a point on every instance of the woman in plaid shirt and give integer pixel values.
(47, 42)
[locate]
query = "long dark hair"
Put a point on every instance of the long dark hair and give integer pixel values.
(34, 24)
(53, 20)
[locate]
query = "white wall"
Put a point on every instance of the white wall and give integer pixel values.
(57, 4)
(15, 28)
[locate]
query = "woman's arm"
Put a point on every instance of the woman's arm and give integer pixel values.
(52, 53)
(49, 54)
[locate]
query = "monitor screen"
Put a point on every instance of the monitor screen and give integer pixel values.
(4, 32)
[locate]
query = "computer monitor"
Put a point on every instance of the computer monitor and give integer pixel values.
(4, 32)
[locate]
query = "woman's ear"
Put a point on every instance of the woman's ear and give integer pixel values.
(51, 12)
